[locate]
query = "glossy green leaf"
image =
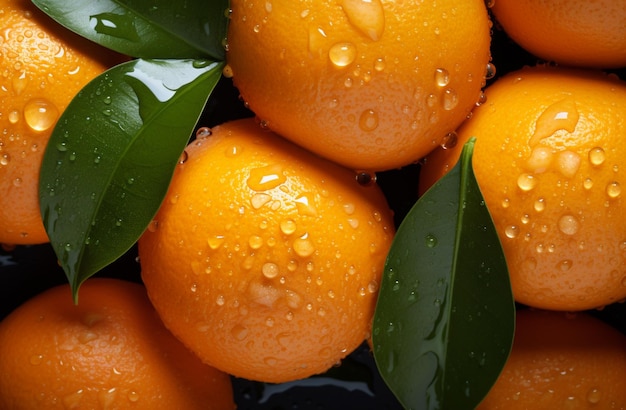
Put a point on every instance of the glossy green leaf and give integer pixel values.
(111, 156)
(147, 28)
(444, 321)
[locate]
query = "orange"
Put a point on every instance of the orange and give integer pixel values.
(549, 159)
(561, 361)
(573, 32)
(369, 84)
(265, 259)
(110, 351)
(42, 66)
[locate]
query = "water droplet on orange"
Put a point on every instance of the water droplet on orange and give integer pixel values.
(597, 156)
(133, 396)
(568, 163)
(379, 64)
(215, 241)
(342, 54)
(526, 182)
(203, 132)
(449, 140)
(255, 242)
(450, 99)
(14, 116)
(288, 226)
(40, 114)
(367, 16)
(568, 224)
(267, 177)
(306, 205)
(540, 204)
(613, 190)
(442, 77)
(368, 120)
(270, 270)
(511, 231)
(540, 159)
(562, 115)
(36, 359)
(565, 265)
(303, 246)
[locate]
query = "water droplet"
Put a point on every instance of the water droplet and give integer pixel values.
(203, 132)
(270, 270)
(540, 159)
(613, 190)
(36, 359)
(565, 265)
(526, 182)
(215, 241)
(133, 396)
(303, 246)
(239, 332)
(511, 231)
(431, 241)
(368, 120)
(288, 226)
(270, 361)
(568, 224)
(490, 71)
(367, 16)
(40, 114)
(255, 242)
(227, 71)
(14, 117)
(17, 182)
(267, 177)
(540, 204)
(506, 202)
(365, 178)
(306, 205)
(568, 163)
(561, 115)
(450, 140)
(220, 300)
(342, 54)
(588, 183)
(379, 64)
(184, 156)
(450, 99)
(597, 156)
(594, 395)
(442, 77)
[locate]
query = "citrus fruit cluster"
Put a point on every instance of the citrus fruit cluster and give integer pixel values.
(265, 258)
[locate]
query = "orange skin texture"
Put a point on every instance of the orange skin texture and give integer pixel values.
(42, 67)
(580, 33)
(264, 259)
(109, 351)
(561, 361)
(410, 73)
(549, 158)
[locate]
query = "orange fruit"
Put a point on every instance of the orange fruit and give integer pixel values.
(549, 160)
(561, 361)
(369, 84)
(109, 351)
(573, 32)
(42, 66)
(265, 259)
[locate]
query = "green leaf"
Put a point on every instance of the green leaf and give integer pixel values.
(444, 321)
(111, 157)
(147, 28)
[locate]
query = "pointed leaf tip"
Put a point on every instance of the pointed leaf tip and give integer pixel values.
(111, 156)
(444, 321)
